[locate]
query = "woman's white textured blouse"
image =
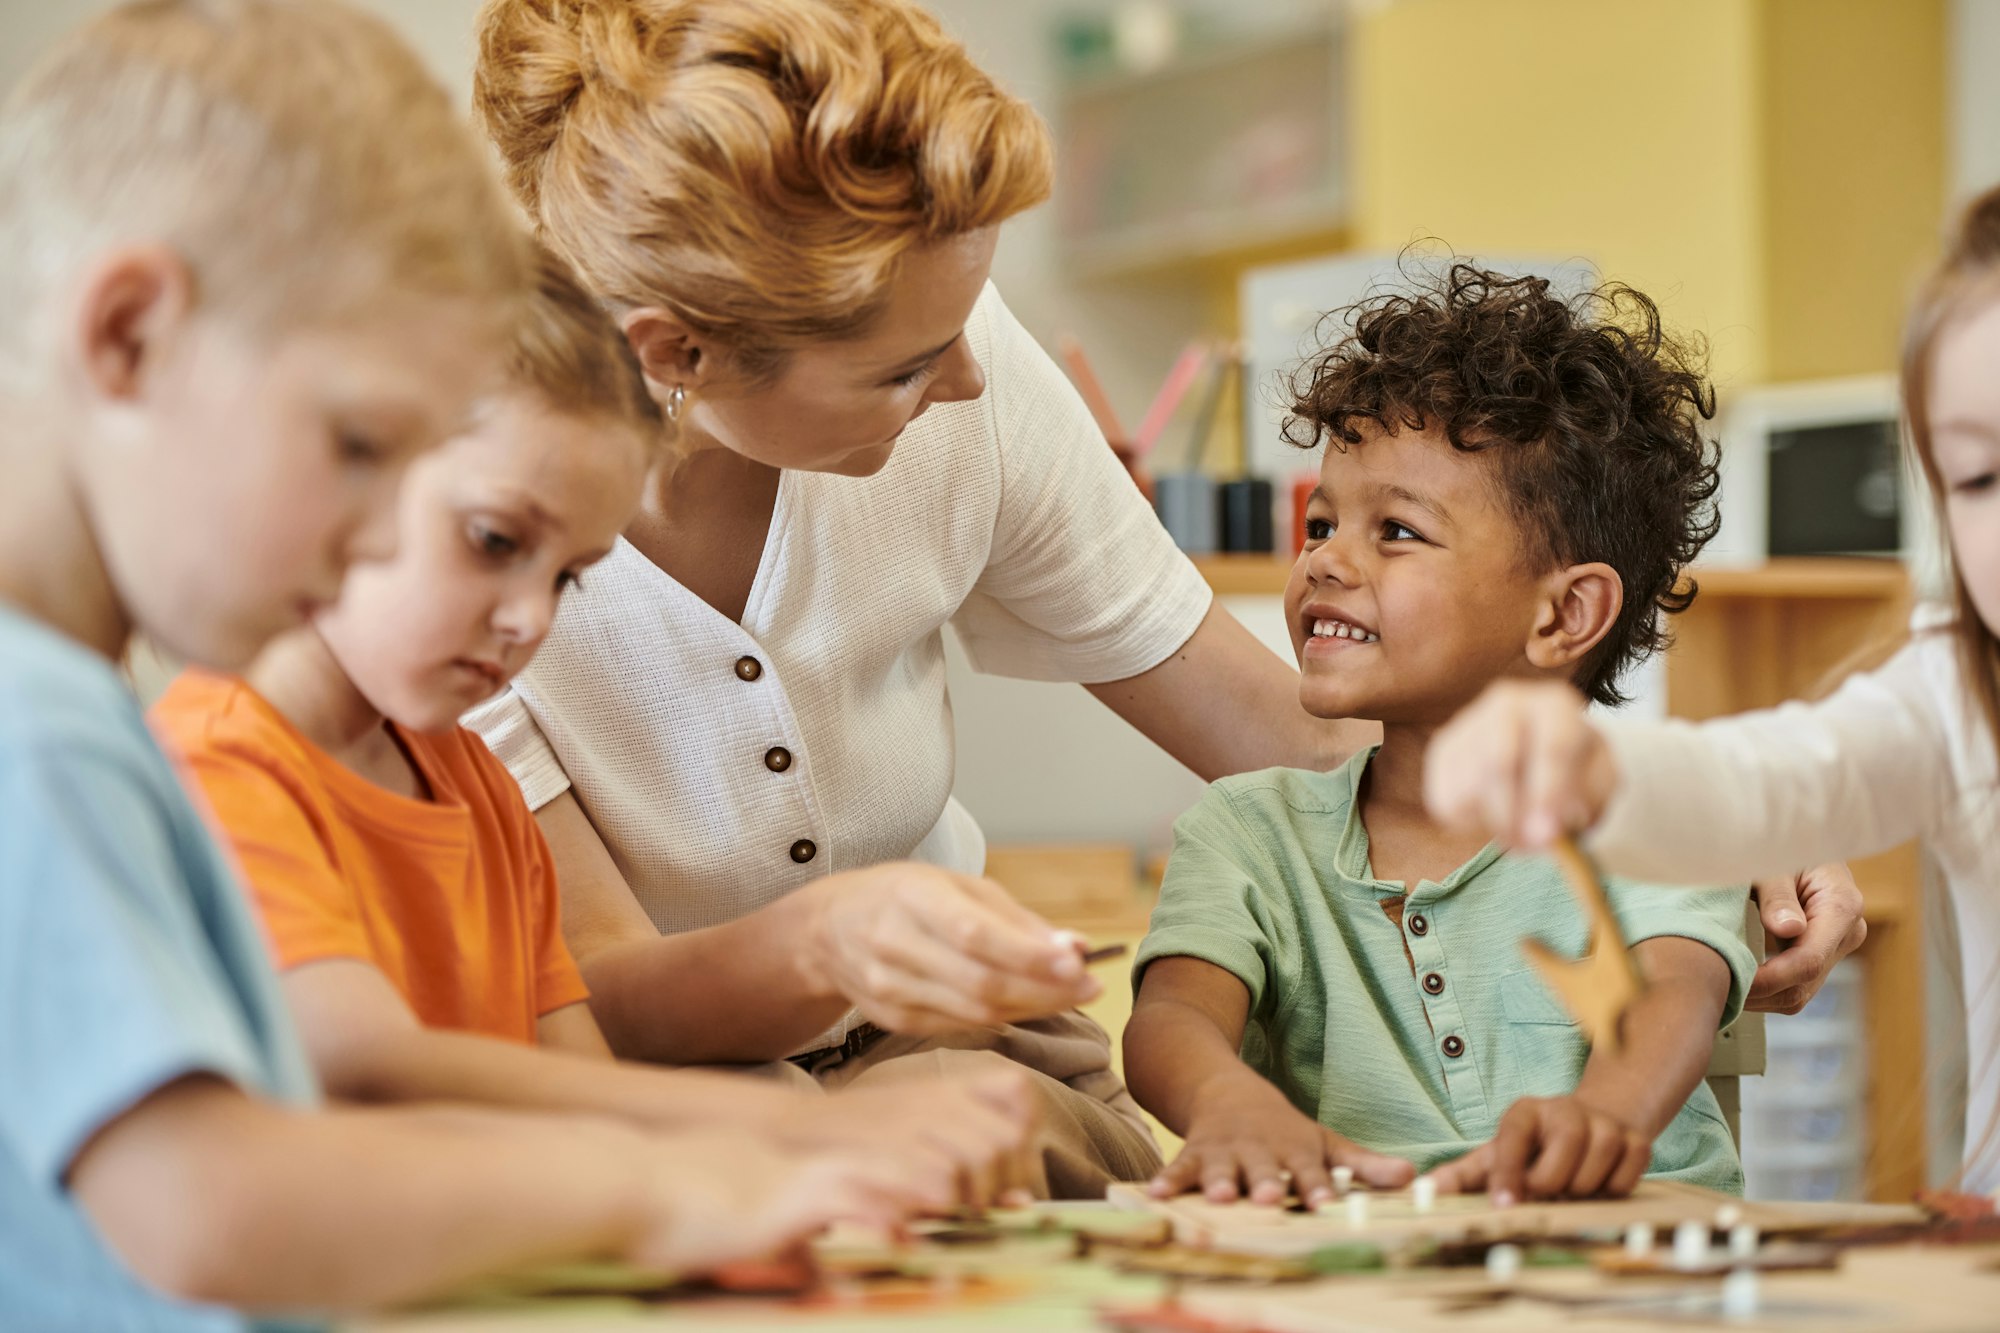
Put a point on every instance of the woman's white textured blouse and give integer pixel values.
(727, 764)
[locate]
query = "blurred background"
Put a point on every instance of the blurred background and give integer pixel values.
(1776, 173)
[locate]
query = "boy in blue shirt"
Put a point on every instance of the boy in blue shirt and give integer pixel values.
(1512, 486)
(252, 265)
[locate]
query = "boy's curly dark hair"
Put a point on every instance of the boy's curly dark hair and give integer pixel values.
(1595, 410)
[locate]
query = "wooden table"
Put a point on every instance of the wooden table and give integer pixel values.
(1038, 1284)
(1906, 1290)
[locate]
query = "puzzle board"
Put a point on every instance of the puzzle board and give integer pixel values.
(1244, 1228)
(1903, 1289)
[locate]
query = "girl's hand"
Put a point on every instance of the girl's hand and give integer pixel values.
(1523, 765)
(1246, 1141)
(1551, 1148)
(923, 951)
(975, 1135)
(711, 1199)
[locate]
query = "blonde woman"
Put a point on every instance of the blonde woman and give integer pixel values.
(738, 737)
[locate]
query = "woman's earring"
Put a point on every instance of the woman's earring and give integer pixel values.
(676, 400)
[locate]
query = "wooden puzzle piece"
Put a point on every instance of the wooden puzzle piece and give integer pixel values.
(1598, 988)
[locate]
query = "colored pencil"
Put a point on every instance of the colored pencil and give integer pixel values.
(1092, 389)
(1179, 380)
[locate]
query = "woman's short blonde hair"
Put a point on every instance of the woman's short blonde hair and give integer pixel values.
(757, 167)
(294, 153)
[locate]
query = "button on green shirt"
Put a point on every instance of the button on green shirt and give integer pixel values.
(1270, 880)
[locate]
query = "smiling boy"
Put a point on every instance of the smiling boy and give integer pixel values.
(1512, 485)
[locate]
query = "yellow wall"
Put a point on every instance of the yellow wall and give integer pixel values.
(1760, 167)
(1853, 111)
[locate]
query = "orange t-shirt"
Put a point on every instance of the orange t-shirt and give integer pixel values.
(453, 898)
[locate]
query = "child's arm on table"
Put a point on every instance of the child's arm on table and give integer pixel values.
(216, 1196)
(369, 1047)
(1243, 1136)
(919, 950)
(1599, 1139)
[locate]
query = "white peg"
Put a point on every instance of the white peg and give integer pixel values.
(1740, 1295)
(1743, 1239)
(1727, 1216)
(1343, 1179)
(1639, 1240)
(1357, 1209)
(1424, 1193)
(1503, 1262)
(1690, 1244)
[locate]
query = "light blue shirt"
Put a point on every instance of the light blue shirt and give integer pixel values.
(128, 959)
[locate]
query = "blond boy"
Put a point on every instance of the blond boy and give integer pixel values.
(251, 267)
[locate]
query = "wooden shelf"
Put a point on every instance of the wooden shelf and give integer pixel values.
(1209, 56)
(1218, 236)
(1245, 575)
(1853, 577)
(1879, 911)
(1830, 578)
(1236, 148)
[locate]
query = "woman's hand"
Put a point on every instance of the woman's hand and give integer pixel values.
(1552, 1148)
(1812, 921)
(1246, 1141)
(1523, 765)
(920, 950)
(975, 1134)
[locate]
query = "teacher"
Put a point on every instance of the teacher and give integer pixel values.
(738, 738)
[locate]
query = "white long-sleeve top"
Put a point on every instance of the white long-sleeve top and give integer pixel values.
(727, 764)
(1896, 753)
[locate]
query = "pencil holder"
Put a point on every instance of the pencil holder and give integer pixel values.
(1246, 516)
(1186, 504)
(1303, 486)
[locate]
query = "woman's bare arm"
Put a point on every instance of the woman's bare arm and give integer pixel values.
(1224, 703)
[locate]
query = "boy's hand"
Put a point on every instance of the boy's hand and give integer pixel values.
(1522, 764)
(1246, 1140)
(1551, 1148)
(976, 1131)
(711, 1199)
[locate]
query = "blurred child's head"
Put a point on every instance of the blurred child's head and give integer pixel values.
(1951, 392)
(497, 523)
(252, 263)
(1512, 486)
